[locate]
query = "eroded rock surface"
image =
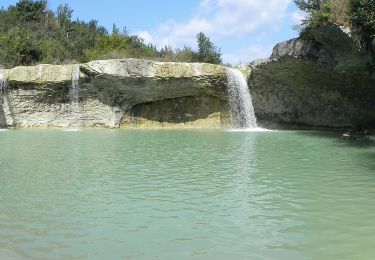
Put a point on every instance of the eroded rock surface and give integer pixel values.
(111, 91)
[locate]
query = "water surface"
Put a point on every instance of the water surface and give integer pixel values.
(114, 194)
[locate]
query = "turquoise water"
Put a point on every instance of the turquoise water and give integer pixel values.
(116, 194)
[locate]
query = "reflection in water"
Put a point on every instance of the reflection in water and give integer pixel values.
(184, 194)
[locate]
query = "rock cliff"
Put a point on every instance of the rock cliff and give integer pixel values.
(116, 93)
(320, 79)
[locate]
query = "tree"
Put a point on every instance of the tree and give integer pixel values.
(318, 11)
(64, 17)
(29, 10)
(363, 23)
(115, 30)
(321, 12)
(207, 51)
(309, 5)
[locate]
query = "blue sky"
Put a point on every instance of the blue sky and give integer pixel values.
(244, 29)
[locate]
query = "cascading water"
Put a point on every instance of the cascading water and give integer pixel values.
(3, 85)
(74, 94)
(240, 103)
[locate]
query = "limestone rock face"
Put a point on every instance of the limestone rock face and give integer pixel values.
(112, 91)
(318, 80)
(145, 81)
(42, 74)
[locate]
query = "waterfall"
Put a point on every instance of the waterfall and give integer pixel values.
(3, 85)
(74, 94)
(240, 103)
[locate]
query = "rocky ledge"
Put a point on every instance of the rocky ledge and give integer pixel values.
(115, 93)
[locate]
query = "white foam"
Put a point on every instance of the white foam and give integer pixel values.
(73, 130)
(255, 129)
(4, 130)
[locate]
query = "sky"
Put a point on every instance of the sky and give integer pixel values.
(244, 30)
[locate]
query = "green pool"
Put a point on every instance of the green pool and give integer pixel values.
(121, 194)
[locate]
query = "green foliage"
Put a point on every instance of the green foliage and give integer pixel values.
(20, 49)
(120, 45)
(318, 11)
(52, 51)
(359, 15)
(32, 34)
(207, 51)
(363, 23)
(64, 17)
(308, 5)
(321, 12)
(186, 54)
(28, 10)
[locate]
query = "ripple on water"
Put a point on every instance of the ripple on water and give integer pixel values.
(176, 194)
